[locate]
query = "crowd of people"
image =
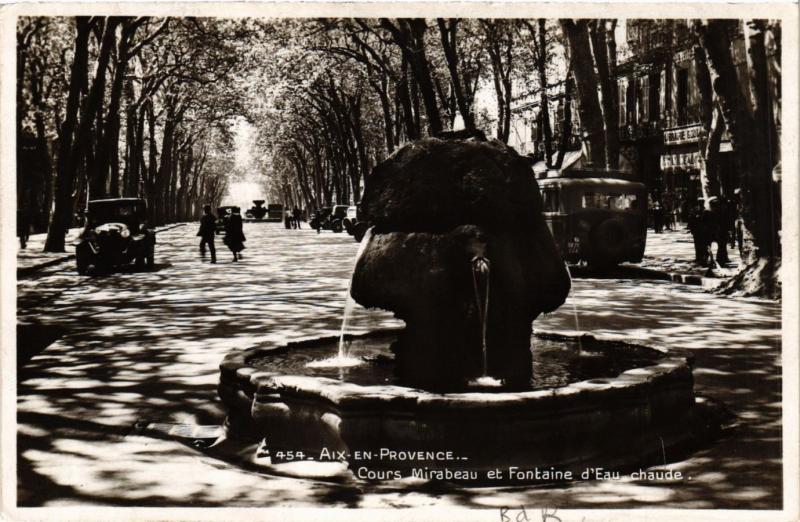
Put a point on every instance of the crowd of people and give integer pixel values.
(716, 223)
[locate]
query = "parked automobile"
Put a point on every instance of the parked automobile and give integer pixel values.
(602, 221)
(350, 216)
(320, 218)
(115, 233)
(222, 216)
(275, 212)
(338, 215)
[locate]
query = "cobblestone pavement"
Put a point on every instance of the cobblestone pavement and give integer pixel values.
(110, 351)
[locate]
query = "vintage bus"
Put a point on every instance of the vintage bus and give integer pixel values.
(602, 221)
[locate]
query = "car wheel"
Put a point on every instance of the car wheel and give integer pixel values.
(336, 226)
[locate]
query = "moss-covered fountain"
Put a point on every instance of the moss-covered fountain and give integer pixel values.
(459, 251)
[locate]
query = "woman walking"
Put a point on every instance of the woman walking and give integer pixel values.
(234, 236)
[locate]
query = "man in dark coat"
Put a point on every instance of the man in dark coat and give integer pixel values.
(697, 225)
(206, 233)
(658, 217)
(234, 234)
(719, 230)
(23, 227)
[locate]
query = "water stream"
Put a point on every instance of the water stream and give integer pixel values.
(481, 272)
(343, 359)
(575, 316)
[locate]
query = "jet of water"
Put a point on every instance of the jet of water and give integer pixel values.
(575, 317)
(344, 347)
(480, 281)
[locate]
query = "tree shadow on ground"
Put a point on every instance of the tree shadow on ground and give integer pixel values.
(103, 454)
(147, 346)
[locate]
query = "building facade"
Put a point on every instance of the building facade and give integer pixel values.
(659, 111)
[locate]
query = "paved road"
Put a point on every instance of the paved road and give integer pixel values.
(110, 351)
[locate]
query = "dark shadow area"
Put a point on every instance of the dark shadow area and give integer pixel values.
(32, 339)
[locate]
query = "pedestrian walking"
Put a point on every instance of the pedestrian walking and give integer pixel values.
(729, 209)
(288, 221)
(668, 203)
(297, 215)
(697, 227)
(208, 225)
(23, 228)
(719, 230)
(234, 235)
(658, 218)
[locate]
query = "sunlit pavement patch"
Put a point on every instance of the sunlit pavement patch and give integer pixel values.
(193, 434)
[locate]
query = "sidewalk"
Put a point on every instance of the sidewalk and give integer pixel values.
(672, 252)
(33, 258)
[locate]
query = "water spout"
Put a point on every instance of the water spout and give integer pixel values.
(481, 270)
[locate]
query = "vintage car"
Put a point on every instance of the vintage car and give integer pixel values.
(222, 216)
(115, 233)
(338, 215)
(602, 221)
(330, 218)
(275, 212)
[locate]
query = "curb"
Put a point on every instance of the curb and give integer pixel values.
(28, 270)
(695, 280)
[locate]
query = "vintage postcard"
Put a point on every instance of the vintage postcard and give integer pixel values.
(399, 261)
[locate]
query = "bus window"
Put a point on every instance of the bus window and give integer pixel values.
(594, 200)
(550, 200)
(622, 202)
(609, 201)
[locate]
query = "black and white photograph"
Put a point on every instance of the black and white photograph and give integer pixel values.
(508, 262)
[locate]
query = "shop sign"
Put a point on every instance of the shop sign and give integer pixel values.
(683, 135)
(684, 161)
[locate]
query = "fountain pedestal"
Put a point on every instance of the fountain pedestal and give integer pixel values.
(435, 205)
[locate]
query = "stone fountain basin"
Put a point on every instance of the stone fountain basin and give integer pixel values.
(641, 417)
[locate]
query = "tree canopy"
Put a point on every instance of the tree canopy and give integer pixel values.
(147, 107)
